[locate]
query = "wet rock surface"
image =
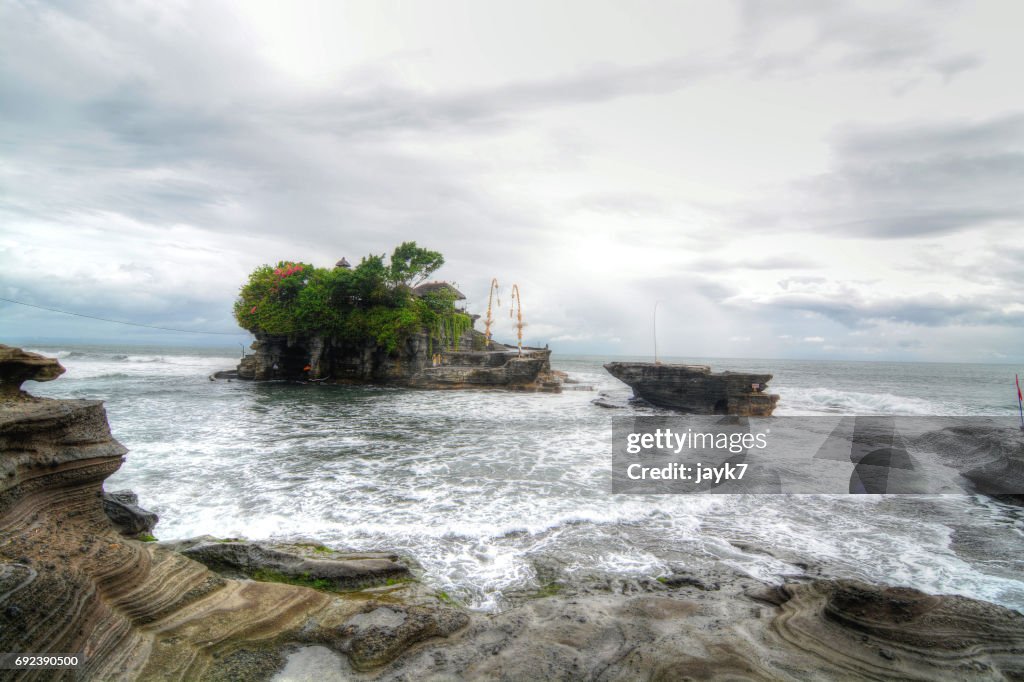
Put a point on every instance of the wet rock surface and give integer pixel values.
(746, 630)
(604, 400)
(378, 633)
(314, 564)
(695, 389)
(988, 454)
(869, 630)
(123, 510)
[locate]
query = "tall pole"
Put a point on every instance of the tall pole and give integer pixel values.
(490, 319)
(518, 302)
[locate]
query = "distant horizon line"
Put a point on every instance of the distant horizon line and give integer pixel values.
(24, 342)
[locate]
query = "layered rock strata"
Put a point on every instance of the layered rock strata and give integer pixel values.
(18, 366)
(70, 582)
(720, 627)
(695, 389)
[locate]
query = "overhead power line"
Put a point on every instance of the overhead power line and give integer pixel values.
(130, 324)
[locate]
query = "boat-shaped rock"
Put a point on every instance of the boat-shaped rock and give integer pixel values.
(695, 389)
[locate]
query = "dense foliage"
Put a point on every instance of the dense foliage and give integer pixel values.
(371, 302)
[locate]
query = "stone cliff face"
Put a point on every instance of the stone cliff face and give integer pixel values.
(464, 364)
(695, 389)
(284, 357)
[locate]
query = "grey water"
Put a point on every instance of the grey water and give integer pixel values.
(490, 492)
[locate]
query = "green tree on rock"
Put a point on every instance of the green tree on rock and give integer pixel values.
(371, 303)
(412, 265)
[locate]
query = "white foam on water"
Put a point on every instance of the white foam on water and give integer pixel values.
(482, 487)
(58, 354)
(802, 401)
(98, 364)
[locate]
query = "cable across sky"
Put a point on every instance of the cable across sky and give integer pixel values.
(130, 324)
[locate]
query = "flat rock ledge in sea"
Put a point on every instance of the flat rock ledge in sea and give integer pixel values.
(71, 582)
(695, 389)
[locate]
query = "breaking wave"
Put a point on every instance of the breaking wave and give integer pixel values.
(832, 401)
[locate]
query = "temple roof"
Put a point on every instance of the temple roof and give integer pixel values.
(428, 287)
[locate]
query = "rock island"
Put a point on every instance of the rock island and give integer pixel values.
(377, 323)
(695, 389)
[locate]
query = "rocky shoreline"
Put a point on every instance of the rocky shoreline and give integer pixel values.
(73, 580)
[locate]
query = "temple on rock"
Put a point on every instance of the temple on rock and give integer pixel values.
(435, 350)
(464, 364)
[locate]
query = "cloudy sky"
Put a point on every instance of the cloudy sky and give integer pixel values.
(790, 179)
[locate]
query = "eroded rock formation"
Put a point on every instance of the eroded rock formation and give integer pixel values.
(867, 631)
(695, 389)
(696, 629)
(123, 510)
(71, 583)
(18, 366)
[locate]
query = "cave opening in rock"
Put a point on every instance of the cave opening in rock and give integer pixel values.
(292, 362)
(722, 406)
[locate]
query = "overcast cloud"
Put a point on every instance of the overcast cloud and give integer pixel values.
(789, 179)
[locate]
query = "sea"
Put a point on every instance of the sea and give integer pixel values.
(493, 493)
